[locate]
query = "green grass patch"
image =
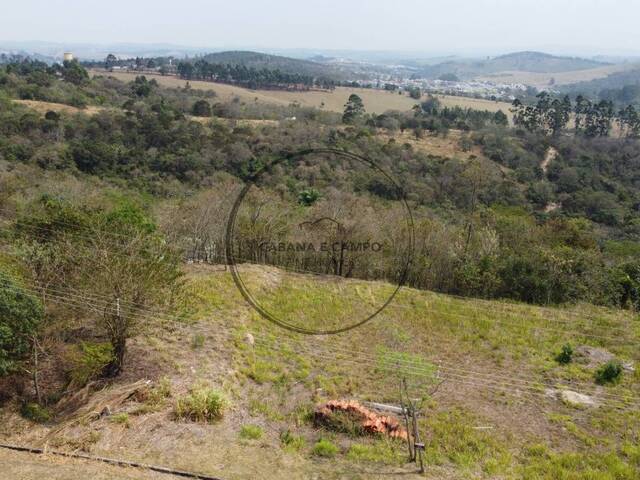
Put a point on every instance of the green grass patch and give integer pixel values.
(35, 413)
(385, 451)
(541, 464)
(201, 404)
(88, 361)
(251, 432)
(325, 448)
(121, 419)
(291, 442)
(456, 441)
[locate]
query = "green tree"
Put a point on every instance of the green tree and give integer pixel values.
(201, 108)
(73, 72)
(110, 61)
(500, 118)
(115, 254)
(353, 109)
(20, 317)
(127, 260)
(415, 93)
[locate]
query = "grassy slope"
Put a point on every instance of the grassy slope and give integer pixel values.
(375, 101)
(487, 349)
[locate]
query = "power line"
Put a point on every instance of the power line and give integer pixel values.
(411, 367)
(443, 296)
(615, 340)
(492, 303)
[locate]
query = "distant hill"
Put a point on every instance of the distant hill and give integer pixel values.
(272, 62)
(541, 63)
(519, 61)
(616, 80)
(7, 55)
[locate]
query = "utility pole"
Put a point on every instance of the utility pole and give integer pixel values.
(409, 409)
(405, 415)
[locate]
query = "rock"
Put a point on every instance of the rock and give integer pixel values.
(593, 356)
(577, 399)
(628, 366)
(248, 338)
(106, 411)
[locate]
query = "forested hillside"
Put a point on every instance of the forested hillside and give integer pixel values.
(122, 325)
(518, 61)
(581, 207)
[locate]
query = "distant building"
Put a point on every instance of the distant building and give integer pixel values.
(67, 56)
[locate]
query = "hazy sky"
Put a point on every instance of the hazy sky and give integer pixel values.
(437, 26)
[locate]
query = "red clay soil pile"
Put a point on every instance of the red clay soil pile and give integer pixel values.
(351, 417)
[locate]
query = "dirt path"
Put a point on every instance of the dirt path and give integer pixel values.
(549, 157)
(27, 466)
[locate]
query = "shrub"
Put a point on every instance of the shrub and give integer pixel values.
(308, 197)
(20, 317)
(155, 397)
(162, 389)
(251, 432)
(35, 412)
(344, 422)
(90, 361)
(201, 108)
(120, 418)
(291, 442)
(201, 404)
(324, 448)
(610, 372)
(566, 354)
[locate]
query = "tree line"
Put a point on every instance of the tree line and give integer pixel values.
(250, 77)
(590, 118)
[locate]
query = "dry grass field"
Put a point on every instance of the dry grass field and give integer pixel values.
(375, 101)
(541, 80)
(44, 107)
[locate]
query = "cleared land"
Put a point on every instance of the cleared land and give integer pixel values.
(44, 107)
(498, 414)
(542, 80)
(375, 101)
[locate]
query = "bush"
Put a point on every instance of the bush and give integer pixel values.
(251, 432)
(201, 109)
(201, 405)
(90, 361)
(344, 422)
(35, 412)
(291, 442)
(324, 448)
(610, 372)
(566, 354)
(121, 418)
(155, 397)
(20, 317)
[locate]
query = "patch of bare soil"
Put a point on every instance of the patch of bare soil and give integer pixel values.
(549, 157)
(44, 107)
(27, 466)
